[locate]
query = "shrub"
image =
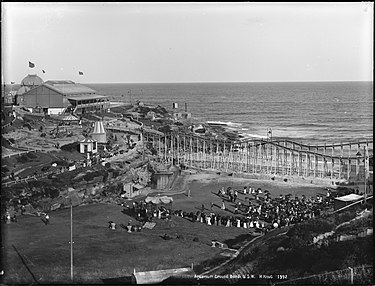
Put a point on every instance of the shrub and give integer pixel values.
(92, 175)
(307, 230)
(31, 155)
(70, 147)
(345, 216)
(116, 173)
(52, 193)
(4, 169)
(22, 159)
(27, 125)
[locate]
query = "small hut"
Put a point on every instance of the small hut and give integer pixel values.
(99, 133)
(161, 179)
(70, 118)
(88, 145)
(132, 190)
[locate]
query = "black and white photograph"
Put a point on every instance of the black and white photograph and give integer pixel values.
(187, 143)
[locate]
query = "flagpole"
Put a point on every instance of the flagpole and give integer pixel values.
(71, 242)
(365, 150)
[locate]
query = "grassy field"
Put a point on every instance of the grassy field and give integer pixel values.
(101, 254)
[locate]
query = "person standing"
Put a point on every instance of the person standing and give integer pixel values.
(235, 195)
(223, 205)
(47, 219)
(7, 218)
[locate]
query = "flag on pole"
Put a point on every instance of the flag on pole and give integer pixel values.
(31, 65)
(80, 73)
(43, 71)
(367, 164)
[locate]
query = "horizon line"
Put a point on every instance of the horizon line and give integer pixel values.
(182, 82)
(189, 82)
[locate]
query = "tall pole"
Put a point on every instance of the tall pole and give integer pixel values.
(71, 242)
(143, 146)
(365, 152)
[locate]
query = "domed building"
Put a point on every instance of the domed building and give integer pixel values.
(29, 82)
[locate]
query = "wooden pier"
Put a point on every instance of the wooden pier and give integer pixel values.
(337, 162)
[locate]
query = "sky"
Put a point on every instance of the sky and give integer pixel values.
(188, 42)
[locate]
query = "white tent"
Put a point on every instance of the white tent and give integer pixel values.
(343, 201)
(159, 200)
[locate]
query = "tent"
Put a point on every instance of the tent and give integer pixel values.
(69, 118)
(343, 201)
(153, 202)
(159, 200)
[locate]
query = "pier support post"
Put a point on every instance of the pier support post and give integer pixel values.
(178, 149)
(349, 162)
(165, 148)
(357, 164)
(159, 147)
(191, 150)
(261, 157)
(315, 165)
(254, 151)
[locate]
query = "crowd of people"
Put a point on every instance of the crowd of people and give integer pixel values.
(250, 208)
(257, 210)
(147, 212)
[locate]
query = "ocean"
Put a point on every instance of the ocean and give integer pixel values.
(308, 112)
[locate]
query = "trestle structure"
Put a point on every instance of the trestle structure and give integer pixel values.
(338, 161)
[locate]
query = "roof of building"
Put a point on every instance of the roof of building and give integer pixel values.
(68, 87)
(87, 140)
(31, 80)
(349, 198)
(86, 97)
(22, 90)
(98, 128)
(69, 117)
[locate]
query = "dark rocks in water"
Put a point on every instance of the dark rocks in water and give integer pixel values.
(161, 110)
(200, 130)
